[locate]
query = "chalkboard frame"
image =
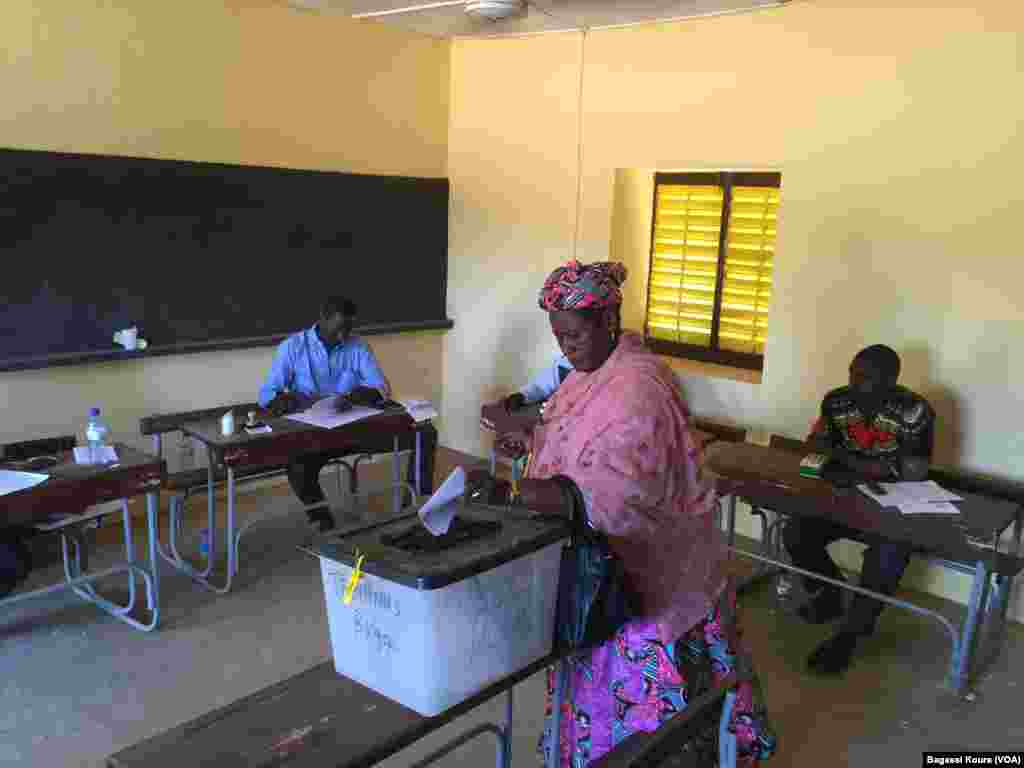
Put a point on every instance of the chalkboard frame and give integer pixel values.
(219, 345)
(100, 354)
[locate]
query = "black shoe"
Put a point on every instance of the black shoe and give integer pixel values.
(824, 607)
(321, 518)
(833, 656)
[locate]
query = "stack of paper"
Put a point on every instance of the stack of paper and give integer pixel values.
(420, 410)
(915, 498)
(11, 481)
(324, 413)
(83, 455)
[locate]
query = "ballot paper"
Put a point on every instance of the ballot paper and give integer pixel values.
(324, 413)
(11, 481)
(83, 455)
(897, 494)
(420, 410)
(437, 514)
(927, 508)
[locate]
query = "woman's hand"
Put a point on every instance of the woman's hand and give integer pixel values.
(494, 417)
(513, 445)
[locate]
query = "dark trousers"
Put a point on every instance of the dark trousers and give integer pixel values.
(884, 563)
(304, 471)
(15, 558)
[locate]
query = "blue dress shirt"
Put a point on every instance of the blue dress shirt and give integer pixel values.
(547, 381)
(303, 365)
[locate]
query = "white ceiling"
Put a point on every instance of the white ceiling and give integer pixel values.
(542, 15)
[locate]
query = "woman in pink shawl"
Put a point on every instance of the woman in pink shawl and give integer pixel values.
(618, 429)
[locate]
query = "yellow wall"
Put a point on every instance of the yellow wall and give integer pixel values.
(897, 132)
(241, 82)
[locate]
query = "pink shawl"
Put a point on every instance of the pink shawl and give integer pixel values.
(622, 434)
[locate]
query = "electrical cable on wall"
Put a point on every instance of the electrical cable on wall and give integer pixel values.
(579, 145)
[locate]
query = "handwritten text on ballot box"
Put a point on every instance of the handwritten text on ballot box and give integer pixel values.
(431, 620)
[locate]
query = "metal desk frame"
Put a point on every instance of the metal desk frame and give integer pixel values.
(233, 533)
(987, 599)
(83, 583)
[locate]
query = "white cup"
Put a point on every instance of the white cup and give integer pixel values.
(128, 338)
(227, 423)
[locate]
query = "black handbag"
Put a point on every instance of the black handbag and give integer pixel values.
(594, 595)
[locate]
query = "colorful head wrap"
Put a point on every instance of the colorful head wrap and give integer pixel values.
(583, 286)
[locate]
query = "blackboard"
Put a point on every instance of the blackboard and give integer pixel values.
(206, 256)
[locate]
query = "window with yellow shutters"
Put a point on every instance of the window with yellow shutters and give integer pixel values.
(712, 253)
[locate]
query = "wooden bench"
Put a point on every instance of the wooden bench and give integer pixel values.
(320, 719)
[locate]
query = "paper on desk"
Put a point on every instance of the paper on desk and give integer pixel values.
(323, 414)
(420, 410)
(436, 515)
(898, 494)
(928, 508)
(83, 455)
(11, 481)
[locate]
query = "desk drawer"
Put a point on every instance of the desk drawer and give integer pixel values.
(281, 448)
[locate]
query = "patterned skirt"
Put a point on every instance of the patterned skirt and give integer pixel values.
(633, 683)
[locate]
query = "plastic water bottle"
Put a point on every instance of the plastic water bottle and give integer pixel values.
(96, 436)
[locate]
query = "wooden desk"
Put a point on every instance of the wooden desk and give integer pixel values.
(71, 488)
(770, 479)
(288, 439)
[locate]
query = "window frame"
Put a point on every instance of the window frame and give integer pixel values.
(726, 180)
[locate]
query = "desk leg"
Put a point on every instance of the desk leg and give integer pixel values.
(153, 531)
(230, 534)
(993, 622)
(418, 458)
(83, 585)
(129, 551)
(396, 479)
(504, 754)
(963, 659)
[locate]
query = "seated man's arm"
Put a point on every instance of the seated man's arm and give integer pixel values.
(274, 394)
(918, 444)
(542, 386)
(825, 439)
(373, 385)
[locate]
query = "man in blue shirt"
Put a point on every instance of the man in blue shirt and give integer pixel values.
(542, 386)
(512, 414)
(327, 360)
